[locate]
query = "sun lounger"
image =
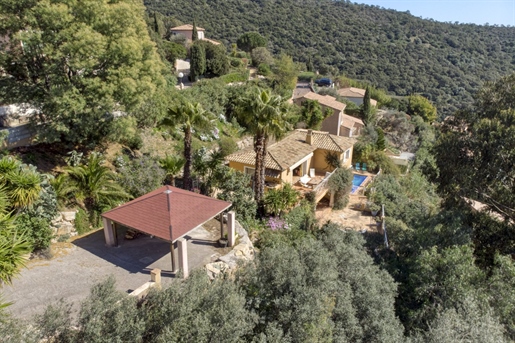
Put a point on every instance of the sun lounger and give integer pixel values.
(364, 167)
(304, 180)
(357, 166)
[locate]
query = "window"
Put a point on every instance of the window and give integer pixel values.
(346, 156)
(250, 171)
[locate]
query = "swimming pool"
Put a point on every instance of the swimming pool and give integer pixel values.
(357, 181)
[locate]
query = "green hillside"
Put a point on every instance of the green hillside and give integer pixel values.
(393, 50)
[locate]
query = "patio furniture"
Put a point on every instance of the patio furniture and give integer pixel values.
(312, 172)
(364, 167)
(304, 180)
(357, 166)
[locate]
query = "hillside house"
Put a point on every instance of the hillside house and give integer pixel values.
(187, 32)
(355, 95)
(339, 123)
(300, 158)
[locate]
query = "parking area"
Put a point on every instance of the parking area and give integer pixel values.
(86, 261)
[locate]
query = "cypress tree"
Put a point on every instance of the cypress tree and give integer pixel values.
(197, 61)
(309, 65)
(194, 35)
(366, 102)
(367, 113)
(381, 141)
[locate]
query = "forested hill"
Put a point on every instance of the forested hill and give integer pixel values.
(393, 50)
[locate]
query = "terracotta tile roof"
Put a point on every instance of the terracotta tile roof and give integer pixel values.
(325, 100)
(285, 153)
(211, 41)
(149, 213)
(187, 27)
(248, 156)
(349, 121)
(352, 92)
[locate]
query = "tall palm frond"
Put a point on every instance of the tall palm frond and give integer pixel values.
(264, 115)
(172, 166)
(63, 189)
(187, 115)
(95, 185)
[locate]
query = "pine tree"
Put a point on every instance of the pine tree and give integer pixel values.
(194, 35)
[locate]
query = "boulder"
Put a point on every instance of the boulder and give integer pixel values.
(216, 268)
(69, 215)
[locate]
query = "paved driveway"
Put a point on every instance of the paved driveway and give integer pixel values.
(87, 261)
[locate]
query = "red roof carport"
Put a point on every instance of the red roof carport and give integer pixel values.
(167, 212)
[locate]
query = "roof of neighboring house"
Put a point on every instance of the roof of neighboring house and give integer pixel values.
(349, 121)
(211, 41)
(187, 27)
(325, 100)
(352, 92)
(285, 153)
(150, 213)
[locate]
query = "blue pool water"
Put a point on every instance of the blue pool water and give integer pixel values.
(357, 180)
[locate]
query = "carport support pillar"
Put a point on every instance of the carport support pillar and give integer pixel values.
(109, 233)
(231, 228)
(221, 225)
(331, 199)
(183, 257)
(175, 262)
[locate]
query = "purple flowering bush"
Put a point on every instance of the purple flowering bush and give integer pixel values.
(276, 223)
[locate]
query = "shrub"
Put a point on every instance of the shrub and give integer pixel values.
(37, 229)
(234, 77)
(261, 55)
(227, 146)
(140, 175)
(235, 62)
(306, 76)
(280, 200)
(264, 69)
(302, 217)
(82, 224)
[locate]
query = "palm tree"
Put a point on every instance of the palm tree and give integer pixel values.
(22, 183)
(189, 116)
(264, 115)
(14, 245)
(172, 166)
(94, 185)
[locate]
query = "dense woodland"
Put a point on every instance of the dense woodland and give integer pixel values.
(396, 51)
(447, 274)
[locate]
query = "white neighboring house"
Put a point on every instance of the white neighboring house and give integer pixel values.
(14, 119)
(187, 31)
(355, 95)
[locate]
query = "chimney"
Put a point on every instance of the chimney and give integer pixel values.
(309, 137)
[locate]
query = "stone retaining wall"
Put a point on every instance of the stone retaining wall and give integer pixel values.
(242, 253)
(64, 224)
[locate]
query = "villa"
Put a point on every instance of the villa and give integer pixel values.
(299, 159)
(339, 123)
(355, 95)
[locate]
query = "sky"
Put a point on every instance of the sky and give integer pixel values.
(500, 12)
